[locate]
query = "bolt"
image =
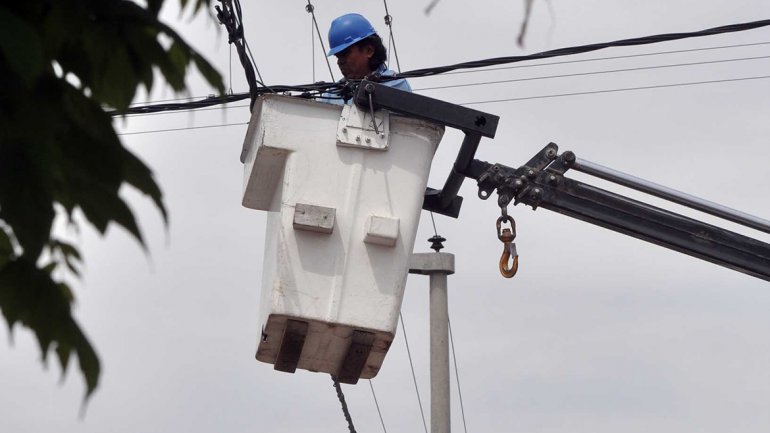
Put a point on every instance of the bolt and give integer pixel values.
(550, 153)
(518, 183)
(553, 179)
(536, 193)
(382, 135)
(344, 130)
(358, 138)
(530, 173)
(369, 88)
(368, 140)
(569, 157)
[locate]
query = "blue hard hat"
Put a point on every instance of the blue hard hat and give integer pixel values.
(347, 30)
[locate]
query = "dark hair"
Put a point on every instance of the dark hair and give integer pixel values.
(380, 54)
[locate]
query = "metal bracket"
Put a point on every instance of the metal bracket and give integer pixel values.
(473, 123)
(356, 128)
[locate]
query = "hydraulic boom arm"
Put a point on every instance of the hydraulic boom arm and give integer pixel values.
(541, 183)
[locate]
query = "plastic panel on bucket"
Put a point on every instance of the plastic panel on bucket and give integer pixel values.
(342, 268)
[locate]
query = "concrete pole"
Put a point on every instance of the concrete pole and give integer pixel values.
(437, 266)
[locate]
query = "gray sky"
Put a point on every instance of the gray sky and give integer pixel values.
(597, 333)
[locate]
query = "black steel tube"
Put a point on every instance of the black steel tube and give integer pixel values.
(671, 194)
(652, 224)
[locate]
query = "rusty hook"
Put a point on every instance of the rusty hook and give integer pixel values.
(506, 236)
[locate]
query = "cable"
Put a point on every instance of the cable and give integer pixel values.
(317, 89)
(564, 62)
(414, 377)
(582, 49)
(579, 74)
(191, 110)
(311, 9)
(695, 83)
(457, 375)
(389, 22)
(190, 98)
(378, 406)
(312, 48)
(182, 129)
(341, 398)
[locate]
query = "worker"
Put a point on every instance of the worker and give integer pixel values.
(360, 52)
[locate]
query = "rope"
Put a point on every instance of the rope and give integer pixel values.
(344, 405)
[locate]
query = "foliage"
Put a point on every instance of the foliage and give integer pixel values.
(61, 64)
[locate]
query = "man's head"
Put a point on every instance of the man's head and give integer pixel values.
(358, 48)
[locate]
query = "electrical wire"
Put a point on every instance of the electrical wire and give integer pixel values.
(311, 9)
(628, 56)
(582, 49)
(457, 375)
(191, 110)
(389, 22)
(318, 89)
(343, 403)
(472, 71)
(414, 377)
(580, 74)
(660, 86)
(182, 129)
(378, 406)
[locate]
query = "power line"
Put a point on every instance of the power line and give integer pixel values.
(190, 110)
(191, 98)
(695, 83)
(389, 22)
(414, 377)
(311, 9)
(182, 129)
(609, 71)
(457, 375)
(344, 404)
(378, 406)
(628, 56)
(583, 49)
(316, 89)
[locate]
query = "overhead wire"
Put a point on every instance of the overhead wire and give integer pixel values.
(389, 23)
(457, 375)
(189, 98)
(183, 129)
(583, 49)
(382, 421)
(627, 56)
(311, 9)
(660, 86)
(580, 74)
(317, 89)
(343, 404)
(414, 377)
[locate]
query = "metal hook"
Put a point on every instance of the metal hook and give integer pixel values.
(506, 236)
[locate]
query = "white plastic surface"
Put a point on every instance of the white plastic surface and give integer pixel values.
(336, 281)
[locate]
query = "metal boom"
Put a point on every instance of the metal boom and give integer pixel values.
(541, 183)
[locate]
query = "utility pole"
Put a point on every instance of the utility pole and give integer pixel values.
(437, 266)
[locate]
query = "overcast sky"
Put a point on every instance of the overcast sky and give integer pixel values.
(597, 333)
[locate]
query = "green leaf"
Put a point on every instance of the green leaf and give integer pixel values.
(6, 248)
(21, 46)
(30, 296)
